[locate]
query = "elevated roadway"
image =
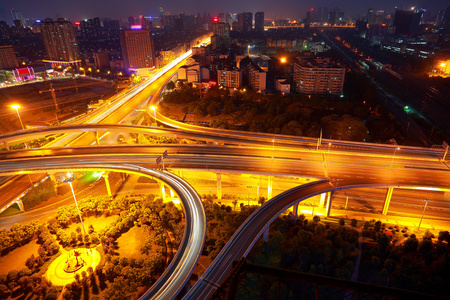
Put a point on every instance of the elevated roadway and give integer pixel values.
(178, 272)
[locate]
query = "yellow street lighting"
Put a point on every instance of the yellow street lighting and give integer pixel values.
(283, 60)
(16, 107)
(98, 71)
(90, 69)
(443, 64)
(109, 72)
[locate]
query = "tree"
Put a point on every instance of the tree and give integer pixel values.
(341, 221)
(353, 223)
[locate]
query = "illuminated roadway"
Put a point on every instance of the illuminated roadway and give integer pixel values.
(362, 172)
(178, 272)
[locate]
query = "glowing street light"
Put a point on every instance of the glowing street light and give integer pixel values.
(283, 60)
(392, 161)
(424, 208)
(16, 107)
(69, 180)
(154, 113)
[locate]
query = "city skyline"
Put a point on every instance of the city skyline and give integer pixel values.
(84, 9)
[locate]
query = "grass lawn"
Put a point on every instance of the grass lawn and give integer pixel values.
(15, 260)
(99, 223)
(130, 243)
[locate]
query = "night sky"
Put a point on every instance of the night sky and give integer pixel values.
(82, 9)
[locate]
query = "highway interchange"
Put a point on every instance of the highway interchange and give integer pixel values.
(338, 164)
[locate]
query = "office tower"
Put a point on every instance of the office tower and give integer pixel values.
(137, 49)
(60, 42)
(259, 21)
(8, 59)
(332, 19)
(318, 76)
(245, 21)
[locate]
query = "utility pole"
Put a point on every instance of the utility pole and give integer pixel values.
(424, 208)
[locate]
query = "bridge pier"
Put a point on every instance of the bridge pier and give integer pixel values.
(295, 216)
(97, 139)
(328, 209)
(219, 186)
(108, 187)
(266, 234)
(387, 200)
(269, 187)
(322, 200)
(163, 190)
(20, 204)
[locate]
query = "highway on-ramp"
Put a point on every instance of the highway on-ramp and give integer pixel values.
(178, 272)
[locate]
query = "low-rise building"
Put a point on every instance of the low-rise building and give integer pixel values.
(229, 78)
(318, 76)
(283, 86)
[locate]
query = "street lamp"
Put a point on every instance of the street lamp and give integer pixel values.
(424, 208)
(16, 107)
(69, 180)
(154, 113)
(392, 160)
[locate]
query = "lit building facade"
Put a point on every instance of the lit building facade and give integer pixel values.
(60, 42)
(229, 78)
(318, 76)
(8, 59)
(137, 49)
(256, 78)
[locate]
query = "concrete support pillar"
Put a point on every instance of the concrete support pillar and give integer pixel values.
(97, 139)
(322, 200)
(20, 204)
(172, 194)
(269, 187)
(108, 187)
(387, 201)
(5, 144)
(266, 234)
(219, 186)
(295, 216)
(330, 197)
(163, 190)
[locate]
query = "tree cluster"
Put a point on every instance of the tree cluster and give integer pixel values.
(41, 193)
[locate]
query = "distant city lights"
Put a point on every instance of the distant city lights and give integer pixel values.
(136, 27)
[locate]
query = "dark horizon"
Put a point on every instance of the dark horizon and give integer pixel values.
(85, 9)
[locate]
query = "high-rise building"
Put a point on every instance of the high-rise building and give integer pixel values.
(245, 21)
(60, 42)
(318, 76)
(308, 20)
(259, 21)
(111, 27)
(137, 49)
(256, 78)
(229, 78)
(91, 29)
(407, 21)
(222, 30)
(4, 31)
(16, 15)
(8, 59)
